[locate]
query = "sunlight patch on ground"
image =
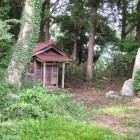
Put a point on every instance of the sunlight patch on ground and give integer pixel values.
(114, 111)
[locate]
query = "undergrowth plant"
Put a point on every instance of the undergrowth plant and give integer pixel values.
(38, 103)
(136, 82)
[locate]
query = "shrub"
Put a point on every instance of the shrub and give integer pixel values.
(31, 84)
(6, 89)
(74, 72)
(136, 82)
(38, 103)
(119, 68)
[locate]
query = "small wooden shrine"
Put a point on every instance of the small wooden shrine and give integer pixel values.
(44, 64)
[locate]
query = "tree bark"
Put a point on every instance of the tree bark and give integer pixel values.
(90, 55)
(42, 23)
(137, 64)
(138, 23)
(28, 37)
(74, 50)
(44, 35)
(137, 60)
(41, 34)
(80, 55)
(47, 25)
(47, 34)
(124, 13)
(91, 46)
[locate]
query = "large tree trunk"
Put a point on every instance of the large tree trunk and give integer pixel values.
(137, 60)
(137, 64)
(91, 46)
(45, 24)
(26, 42)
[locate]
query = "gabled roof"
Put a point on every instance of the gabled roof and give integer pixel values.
(40, 49)
(53, 58)
(44, 45)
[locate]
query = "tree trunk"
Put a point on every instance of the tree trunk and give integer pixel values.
(47, 25)
(44, 35)
(137, 60)
(80, 51)
(41, 34)
(91, 46)
(90, 55)
(138, 23)
(42, 24)
(137, 64)
(28, 37)
(74, 50)
(47, 34)
(124, 12)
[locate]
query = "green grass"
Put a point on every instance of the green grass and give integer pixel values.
(51, 117)
(133, 123)
(56, 128)
(114, 111)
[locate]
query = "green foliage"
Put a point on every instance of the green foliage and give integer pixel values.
(101, 86)
(32, 84)
(115, 70)
(37, 103)
(5, 47)
(4, 9)
(136, 82)
(5, 90)
(9, 131)
(129, 47)
(100, 69)
(5, 39)
(4, 35)
(75, 74)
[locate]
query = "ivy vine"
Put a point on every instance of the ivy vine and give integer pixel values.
(22, 55)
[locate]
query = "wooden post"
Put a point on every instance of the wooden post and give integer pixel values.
(35, 69)
(63, 74)
(44, 74)
(57, 77)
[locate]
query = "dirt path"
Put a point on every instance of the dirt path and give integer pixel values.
(94, 98)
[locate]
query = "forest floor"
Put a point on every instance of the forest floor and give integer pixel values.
(121, 116)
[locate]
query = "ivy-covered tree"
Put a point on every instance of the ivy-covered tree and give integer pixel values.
(28, 37)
